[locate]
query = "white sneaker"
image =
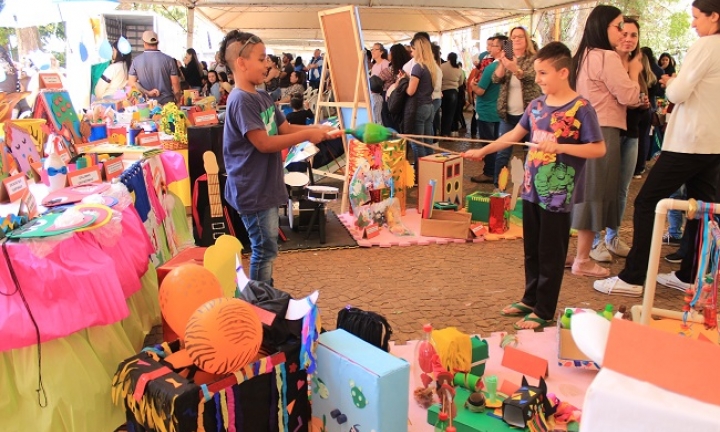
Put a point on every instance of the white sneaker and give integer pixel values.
(617, 286)
(618, 247)
(671, 281)
(600, 253)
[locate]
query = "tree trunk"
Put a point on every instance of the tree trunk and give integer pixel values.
(28, 40)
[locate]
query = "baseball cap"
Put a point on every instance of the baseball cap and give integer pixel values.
(150, 37)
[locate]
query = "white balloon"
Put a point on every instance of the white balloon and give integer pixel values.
(124, 46)
(590, 332)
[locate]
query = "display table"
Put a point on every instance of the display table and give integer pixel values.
(93, 295)
(94, 301)
(618, 402)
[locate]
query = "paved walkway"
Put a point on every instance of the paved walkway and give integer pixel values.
(461, 285)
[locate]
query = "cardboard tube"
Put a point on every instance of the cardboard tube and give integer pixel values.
(467, 381)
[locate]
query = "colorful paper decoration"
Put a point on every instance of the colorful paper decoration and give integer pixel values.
(103, 215)
(73, 194)
(55, 107)
(82, 49)
(22, 145)
(46, 226)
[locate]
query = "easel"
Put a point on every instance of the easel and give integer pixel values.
(351, 90)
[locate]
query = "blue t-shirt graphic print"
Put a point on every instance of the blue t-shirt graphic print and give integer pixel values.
(553, 181)
(255, 180)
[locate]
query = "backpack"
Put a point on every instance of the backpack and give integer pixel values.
(371, 327)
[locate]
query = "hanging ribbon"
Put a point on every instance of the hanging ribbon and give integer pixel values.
(309, 336)
(231, 409)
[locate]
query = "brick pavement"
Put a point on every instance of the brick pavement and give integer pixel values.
(462, 285)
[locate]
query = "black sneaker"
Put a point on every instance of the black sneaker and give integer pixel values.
(674, 258)
(668, 239)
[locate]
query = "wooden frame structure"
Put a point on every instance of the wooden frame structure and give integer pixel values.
(346, 63)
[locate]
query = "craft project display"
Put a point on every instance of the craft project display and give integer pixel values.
(268, 395)
(387, 155)
(478, 205)
(22, 140)
(447, 171)
(499, 215)
(359, 386)
(368, 202)
(57, 109)
(528, 407)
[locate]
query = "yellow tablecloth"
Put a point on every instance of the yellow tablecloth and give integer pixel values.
(77, 371)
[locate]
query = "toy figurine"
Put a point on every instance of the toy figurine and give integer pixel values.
(54, 165)
(475, 402)
(527, 402)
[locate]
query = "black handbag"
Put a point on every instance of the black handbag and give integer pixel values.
(371, 327)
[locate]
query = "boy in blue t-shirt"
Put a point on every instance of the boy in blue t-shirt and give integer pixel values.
(565, 130)
(254, 135)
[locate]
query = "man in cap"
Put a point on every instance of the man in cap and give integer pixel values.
(155, 74)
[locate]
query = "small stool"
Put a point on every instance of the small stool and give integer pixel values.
(319, 216)
(320, 195)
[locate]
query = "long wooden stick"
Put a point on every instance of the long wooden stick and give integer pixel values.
(471, 140)
(444, 150)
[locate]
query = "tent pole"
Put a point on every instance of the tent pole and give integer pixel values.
(190, 25)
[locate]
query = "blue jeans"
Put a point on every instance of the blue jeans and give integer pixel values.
(488, 131)
(628, 160)
(675, 217)
(262, 228)
(502, 157)
(423, 126)
(436, 104)
(449, 106)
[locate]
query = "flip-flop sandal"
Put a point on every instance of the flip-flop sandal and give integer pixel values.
(542, 323)
(522, 310)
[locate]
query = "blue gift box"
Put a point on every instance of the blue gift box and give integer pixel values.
(358, 385)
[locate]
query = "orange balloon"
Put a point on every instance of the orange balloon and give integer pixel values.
(183, 290)
(223, 335)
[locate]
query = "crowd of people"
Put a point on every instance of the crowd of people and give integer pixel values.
(588, 116)
(610, 102)
(161, 77)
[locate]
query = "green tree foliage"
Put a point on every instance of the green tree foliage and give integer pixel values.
(173, 13)
(665, 24)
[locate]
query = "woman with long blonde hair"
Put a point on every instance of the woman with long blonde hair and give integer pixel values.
(420, 89)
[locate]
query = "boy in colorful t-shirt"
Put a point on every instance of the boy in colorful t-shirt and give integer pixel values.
(254, 135)
(565, 131)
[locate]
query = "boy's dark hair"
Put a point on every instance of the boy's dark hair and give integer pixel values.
(557, 54)
(296, 101)
(376, 84)
(236, 44)
(500, 37)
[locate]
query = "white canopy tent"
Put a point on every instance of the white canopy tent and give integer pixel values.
(295, 22)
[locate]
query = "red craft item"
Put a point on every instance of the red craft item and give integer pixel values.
(499, 213)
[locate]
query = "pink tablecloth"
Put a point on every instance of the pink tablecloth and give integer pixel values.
(81, 283)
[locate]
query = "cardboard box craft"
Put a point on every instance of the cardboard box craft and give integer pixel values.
(478, 205)
(248, 400)
(203, 118)
(569, 355)
(359, 383)
(446, 223)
